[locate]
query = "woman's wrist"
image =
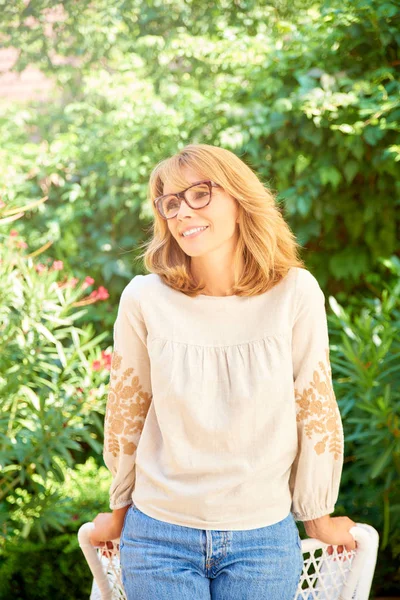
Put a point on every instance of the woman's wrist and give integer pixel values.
(314, 526)
(119, 514)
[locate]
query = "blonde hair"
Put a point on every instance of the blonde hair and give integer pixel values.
(267, 244)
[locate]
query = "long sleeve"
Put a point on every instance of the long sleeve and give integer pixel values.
(316, 472)
(129, 396)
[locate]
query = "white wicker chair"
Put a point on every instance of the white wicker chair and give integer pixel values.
(344, 576)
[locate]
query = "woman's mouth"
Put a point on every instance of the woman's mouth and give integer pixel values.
(195, 232)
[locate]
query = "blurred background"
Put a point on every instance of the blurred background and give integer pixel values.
(92, 95)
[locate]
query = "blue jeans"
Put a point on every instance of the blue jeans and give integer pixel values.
(160, 561)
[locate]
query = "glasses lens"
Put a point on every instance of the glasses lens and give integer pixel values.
(197, 196)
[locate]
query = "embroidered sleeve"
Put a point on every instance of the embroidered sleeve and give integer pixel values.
(129, 397)
(317, 468)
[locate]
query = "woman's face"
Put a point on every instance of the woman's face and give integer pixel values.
(220, 217)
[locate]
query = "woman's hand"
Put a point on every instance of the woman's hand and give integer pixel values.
(107, 527)
(332, 530)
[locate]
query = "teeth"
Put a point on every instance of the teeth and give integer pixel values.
(193, 230)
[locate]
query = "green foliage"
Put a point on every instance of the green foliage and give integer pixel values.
(309, 98)
(52, 393)
(36, 570)
(365, 356)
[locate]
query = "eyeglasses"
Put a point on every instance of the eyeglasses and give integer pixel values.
(198, 195)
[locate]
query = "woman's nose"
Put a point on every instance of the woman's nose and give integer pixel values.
(185, 209)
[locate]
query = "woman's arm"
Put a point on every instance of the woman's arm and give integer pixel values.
(108, 526)
(119, 514)
(316, 471)
(129, 396)
(128, 402)
(332, 530)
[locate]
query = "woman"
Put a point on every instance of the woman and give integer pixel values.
(222, 428)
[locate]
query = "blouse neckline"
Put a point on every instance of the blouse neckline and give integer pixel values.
(205, 297)
(232, 299)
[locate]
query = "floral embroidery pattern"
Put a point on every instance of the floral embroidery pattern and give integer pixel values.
(318, 408)
(127, 407)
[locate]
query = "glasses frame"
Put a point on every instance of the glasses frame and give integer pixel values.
(181, 196)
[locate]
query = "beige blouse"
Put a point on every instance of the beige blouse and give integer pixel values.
(221, 412)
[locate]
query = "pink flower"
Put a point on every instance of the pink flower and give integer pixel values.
(58, 265)
(22, 244)
(104, 362)
(102, 293)
(2, 204)
(106, 358)
(40, 267)
(72, 282)
(13, 233)
(87, 282)
(94, 296)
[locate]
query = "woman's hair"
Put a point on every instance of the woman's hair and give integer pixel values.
(267, 244)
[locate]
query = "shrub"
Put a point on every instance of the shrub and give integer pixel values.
(308, 96)
(52, 387)
(36, 570)
(365, 357)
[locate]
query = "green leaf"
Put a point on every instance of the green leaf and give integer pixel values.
(330, 175)
(33, 397)
(350, 169)
(372, 135)
(48, 335)
(381, 462)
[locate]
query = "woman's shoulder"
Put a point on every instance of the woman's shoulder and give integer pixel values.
(306, 284)
(140, 285)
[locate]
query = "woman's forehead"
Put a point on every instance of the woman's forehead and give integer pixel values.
(178, 180)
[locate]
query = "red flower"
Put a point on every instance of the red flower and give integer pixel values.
(94, 296)
(87, 282)
(104, 362)
(102, 293)
(106, 358)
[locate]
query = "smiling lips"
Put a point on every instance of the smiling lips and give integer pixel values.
(196, 231)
